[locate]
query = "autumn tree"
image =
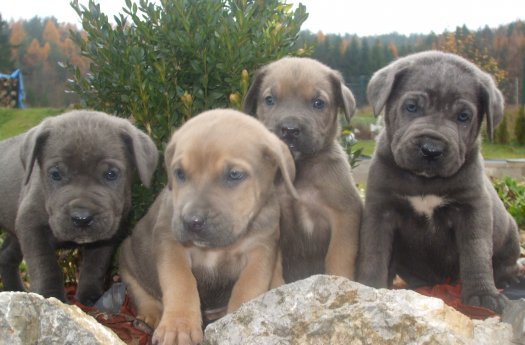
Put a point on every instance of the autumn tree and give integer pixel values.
(464, 43)
(50, 33)
(16, 39)
(39, 47)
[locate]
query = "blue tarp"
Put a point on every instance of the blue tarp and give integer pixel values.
(21, 93)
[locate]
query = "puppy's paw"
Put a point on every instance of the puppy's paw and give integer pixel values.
(89, 297)
(149, 311)
(495, 302)
(177, 331)
(151, 319)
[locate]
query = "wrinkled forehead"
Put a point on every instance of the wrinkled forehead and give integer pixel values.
(84, 145)
(219, 147)
(297, 80)
(443, 83)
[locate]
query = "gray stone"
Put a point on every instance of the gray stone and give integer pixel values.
(514, 313)
(28, 318)
(333, 310)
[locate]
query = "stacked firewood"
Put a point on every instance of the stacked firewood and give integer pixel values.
(8, 92)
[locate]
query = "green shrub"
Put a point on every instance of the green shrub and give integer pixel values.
(512, 193)
(502, 132)
(166, 62)
(348, 141)
(519, 128)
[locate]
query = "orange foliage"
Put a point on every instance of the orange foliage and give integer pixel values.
(321, 37)
(51, 33)
(35, 54)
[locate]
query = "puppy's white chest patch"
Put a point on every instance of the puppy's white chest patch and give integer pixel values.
(426, 204)
(206, 259)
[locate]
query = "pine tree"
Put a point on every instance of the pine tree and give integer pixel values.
(6, 63)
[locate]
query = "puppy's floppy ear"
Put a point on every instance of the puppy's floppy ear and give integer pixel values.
(280, 154)
(32, 145)
(349, 102)
(493, 103)
(344, 97)
(168, 157)
(381, 84)
(250, 101)
(144, 152)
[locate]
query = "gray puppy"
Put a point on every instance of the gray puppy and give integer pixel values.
(299, 99)
(67, 182)
(430, 211)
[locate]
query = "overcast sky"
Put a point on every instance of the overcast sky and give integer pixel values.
(361, 17)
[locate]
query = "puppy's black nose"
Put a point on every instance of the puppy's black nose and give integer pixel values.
(81, 217)
(195, 223)
(290, 131)
(432, 150)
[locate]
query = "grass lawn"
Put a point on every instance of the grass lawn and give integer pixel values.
(16, 121)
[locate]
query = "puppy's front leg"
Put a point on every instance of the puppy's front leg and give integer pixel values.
(474, 239)
(45, 275)
(256, 276)
(344, 243)
(95, 265)
(375, 245)
(10, 259)
(181, 319)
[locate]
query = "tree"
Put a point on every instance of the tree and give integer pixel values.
(463, 43)
(50, 33)
(6, 62)
(35, 55)
(16, 39)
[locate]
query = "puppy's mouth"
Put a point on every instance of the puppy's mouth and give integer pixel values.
(209, 236)
(101, 226)
(428, 156)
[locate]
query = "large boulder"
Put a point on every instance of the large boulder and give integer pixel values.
(514, 314)
(28, 318)
(332, 310)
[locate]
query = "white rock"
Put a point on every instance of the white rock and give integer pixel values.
(334, 310)
(28, 318)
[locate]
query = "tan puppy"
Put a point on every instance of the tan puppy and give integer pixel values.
(210, 239)
(298, 99)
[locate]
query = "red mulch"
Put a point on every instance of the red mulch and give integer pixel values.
(451, 295)
(124, 324)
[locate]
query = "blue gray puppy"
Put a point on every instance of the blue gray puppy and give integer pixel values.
(67, 182)
(431, 213)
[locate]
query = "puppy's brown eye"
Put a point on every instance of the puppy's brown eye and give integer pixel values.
(269, 100)
(180, 175)
(318, 103)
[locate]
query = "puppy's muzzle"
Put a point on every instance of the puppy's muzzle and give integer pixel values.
(290, 132)
(431, 149)
(81, 217)
(195, 223)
